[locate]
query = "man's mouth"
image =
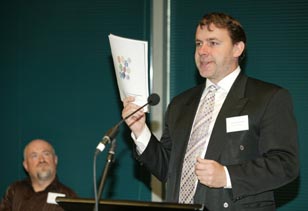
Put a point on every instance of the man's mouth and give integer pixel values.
(205, 63)
(43, 164)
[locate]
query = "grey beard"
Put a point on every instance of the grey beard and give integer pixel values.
(44, 175)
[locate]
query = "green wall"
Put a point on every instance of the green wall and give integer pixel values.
(277, 52)
(57, 79)
(58, 83)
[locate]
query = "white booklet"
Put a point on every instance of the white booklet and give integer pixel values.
(130, 58)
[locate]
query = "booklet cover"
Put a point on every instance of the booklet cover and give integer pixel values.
(130, 58)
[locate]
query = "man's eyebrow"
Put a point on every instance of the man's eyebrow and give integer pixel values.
(212, 38)
(208, 39)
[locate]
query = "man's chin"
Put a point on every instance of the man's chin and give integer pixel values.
(44, 175)
(205, 73)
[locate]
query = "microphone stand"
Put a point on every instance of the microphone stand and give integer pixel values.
(109, 161)
(153, 99)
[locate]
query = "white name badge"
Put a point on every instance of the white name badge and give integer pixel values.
(51, 198)
(237, 123)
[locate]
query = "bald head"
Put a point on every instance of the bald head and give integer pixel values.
(37, 142)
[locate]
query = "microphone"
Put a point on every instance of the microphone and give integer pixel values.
(153, 100)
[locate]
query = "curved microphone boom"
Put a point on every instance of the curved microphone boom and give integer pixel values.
(153, 100)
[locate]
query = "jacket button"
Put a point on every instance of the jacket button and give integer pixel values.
(226, 205)
(242, 147)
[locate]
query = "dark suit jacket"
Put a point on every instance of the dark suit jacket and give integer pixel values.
(259, 160)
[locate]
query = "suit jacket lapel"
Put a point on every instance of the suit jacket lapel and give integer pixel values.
(233, 105)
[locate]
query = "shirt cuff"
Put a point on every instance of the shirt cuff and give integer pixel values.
(143, 140)
(228, 185)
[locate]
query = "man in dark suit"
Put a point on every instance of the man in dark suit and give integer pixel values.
(250, 141)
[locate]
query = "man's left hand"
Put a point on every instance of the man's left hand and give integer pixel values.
(210, 173)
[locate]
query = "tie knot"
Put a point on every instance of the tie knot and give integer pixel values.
(212, 88)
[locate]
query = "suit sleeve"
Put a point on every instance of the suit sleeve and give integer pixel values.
(277, 163)
(156, 155)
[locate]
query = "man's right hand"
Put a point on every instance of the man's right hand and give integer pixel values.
(137, 121)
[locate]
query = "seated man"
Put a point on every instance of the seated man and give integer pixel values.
(40, 161)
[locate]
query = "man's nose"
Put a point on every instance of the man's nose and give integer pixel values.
(203, 49)
(41, 158)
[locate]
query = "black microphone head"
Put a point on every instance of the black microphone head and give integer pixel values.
(153, 99)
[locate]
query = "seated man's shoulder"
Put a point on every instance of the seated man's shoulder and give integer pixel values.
(66, 190)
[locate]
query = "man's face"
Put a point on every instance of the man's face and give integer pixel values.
(216, 56)
(40, 161)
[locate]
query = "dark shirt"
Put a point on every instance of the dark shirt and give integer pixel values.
(20, 196)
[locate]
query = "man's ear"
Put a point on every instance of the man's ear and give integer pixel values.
(56, 159)
(24, 163)
(238, 49)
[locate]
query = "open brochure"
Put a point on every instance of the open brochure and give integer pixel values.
(130, 58)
